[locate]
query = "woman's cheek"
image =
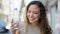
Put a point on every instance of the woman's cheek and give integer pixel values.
(27, 14)
(37, 15)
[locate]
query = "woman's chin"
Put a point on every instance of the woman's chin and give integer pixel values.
(31, 22)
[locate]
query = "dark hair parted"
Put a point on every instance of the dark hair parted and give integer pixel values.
(43, 22)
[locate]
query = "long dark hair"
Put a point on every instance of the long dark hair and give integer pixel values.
(43, 22)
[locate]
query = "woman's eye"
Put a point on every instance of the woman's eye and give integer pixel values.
(35, 13)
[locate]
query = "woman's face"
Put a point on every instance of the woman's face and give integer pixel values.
(33, 13)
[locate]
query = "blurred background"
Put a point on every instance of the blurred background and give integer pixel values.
(14, 9)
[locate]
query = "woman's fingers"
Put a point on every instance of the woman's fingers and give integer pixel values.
(12, 27)
(12, 21)
(12, 24)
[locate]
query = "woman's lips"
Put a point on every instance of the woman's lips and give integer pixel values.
(31, 19)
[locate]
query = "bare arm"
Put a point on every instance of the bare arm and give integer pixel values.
(17, 32)
(13, 32)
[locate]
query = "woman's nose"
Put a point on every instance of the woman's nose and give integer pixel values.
(31, 14)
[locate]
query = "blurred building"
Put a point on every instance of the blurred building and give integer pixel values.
(1, 6)
(58, 19)
(2, 15)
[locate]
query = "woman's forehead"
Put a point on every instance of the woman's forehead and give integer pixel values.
(34, 7)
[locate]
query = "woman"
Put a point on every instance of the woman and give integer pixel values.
(36, 21)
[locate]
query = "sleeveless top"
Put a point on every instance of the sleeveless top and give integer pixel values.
(29, 29)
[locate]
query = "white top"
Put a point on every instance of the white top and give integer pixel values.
(30, 30)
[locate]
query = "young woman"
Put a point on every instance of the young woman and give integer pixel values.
(35, 22)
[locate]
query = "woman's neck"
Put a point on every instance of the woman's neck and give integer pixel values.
(34, 24)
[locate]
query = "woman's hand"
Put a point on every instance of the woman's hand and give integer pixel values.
(13, 26)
